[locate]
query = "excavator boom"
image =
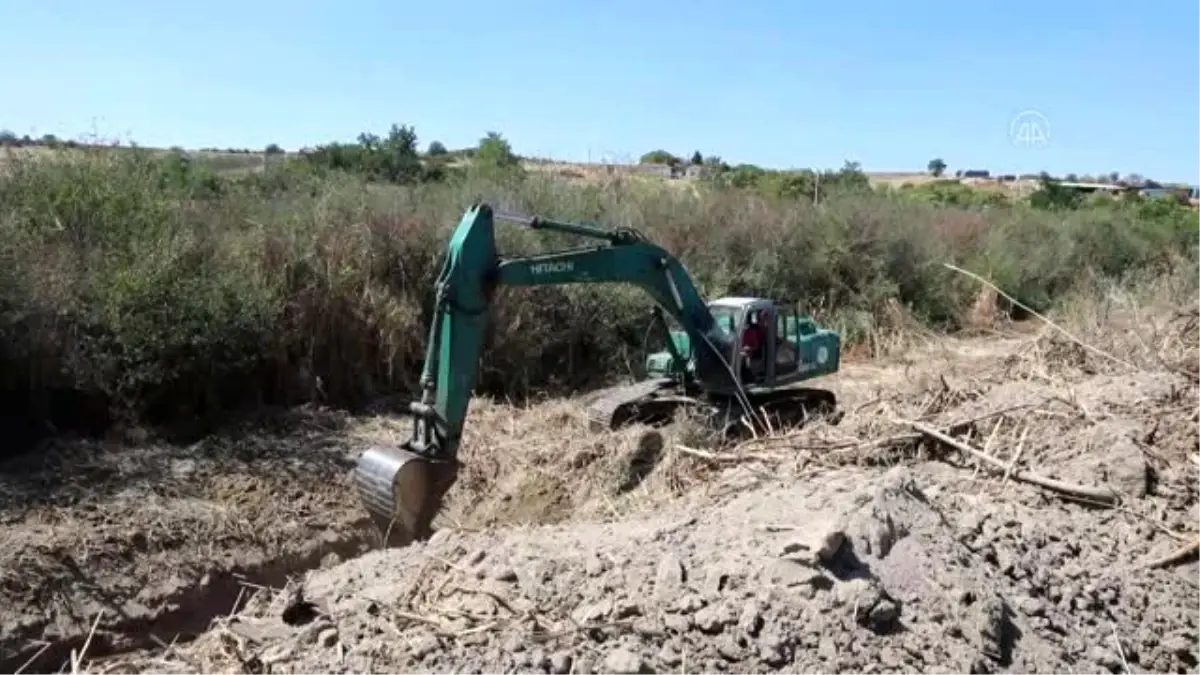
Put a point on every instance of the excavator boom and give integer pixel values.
(403, 487)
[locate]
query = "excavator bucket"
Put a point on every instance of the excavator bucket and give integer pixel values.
(402, 492)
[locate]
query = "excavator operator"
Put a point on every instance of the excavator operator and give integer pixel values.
(753, 338)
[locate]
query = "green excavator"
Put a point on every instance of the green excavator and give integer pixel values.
(735, 359)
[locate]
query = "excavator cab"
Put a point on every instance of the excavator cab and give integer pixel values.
(770, 345)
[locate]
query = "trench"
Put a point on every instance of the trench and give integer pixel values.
(186, 614)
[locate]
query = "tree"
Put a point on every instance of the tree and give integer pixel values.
(436, 149)
(697, 158)
(7, 137)
(273, 149)
(659, 157)
(495, 159)
(494, 151)
(937, 167)
(401, 163)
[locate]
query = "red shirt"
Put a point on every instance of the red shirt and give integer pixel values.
(752, 338)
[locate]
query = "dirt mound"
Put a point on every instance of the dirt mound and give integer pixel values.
(865, 547)
(885, 572)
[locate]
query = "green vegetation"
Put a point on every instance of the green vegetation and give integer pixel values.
(169, 292)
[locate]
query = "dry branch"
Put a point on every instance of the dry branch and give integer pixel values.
(1048, 322)
(728, 457)
(1097, 495)
(1178, 555)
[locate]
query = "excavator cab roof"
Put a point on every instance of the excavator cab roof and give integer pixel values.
(738, 302)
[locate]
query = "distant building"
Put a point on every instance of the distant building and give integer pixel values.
(1088, 188)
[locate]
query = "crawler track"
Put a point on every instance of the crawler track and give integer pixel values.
(657, 401)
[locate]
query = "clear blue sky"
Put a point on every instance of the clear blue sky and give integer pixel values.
(772, 82)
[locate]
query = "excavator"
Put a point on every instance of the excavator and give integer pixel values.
(709, 365)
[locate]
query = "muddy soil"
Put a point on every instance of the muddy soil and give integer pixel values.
(854, 547)
(154, 540)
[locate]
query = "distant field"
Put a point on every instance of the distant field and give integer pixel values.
(571, 172)
(220, 161)
(581, 172)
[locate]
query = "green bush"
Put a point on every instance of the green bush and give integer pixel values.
(171, 293)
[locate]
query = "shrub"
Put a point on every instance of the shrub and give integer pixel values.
(169, 293)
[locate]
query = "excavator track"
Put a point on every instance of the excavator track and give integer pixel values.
(798, 405)
(619, 406)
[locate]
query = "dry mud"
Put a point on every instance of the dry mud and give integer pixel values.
(859, 547)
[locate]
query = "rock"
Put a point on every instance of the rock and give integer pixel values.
(560, 662)
(278, 652)
(310, 633)
(669, 577)
(750, 621)
(422, 646)
(594, 566)
(588, 612)
(791, 573)
(1106, 658)
(991, 624)
(818, 543)
(690, 602)
(891, 659)
(872, 606)
(624, 662)
(859, 594)
(531, 579)
(260, 630)
(712, 620)
(503, 573)
(1112, 459)
(626, 608)
(729, 650)
(679, 623)
(669, 656)
(328, 637)
(583, 665)
(884, 616)
(875, 530)
(717, 580)
(827, 650)
(772, 651)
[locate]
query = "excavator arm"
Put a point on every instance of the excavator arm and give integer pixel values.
(403, 487)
